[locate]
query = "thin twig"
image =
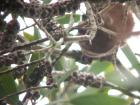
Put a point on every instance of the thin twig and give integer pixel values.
(110, 32)
(28, 27)
(30, 44)
(76, 38)
(88, 79)
(62, 53)
(92, 22)
(46, 32)
(24, 45)
(134, 33)
(28, 89)
(137, 54)
(81, 24)
(21, 66)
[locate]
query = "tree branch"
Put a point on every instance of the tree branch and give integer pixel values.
(88, 79)
(39, 10)
(43, 11)
(21, 66)
(28, 89)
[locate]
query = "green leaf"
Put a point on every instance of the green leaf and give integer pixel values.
(100, 66)
(8, 86)
(33, 37)
(52, 94)
(63, 64)
(46, 1)
(28, 36)
(37, 34)
(96, 97)
(43, 92)
(130, 81)
(70, 64)
(66, 18)
(131, 57)
(59, 65)
(116, 78)
(35, 56)
(84, 68)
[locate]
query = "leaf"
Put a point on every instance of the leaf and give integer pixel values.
(131, 57)
(84, 68)
(33, 37)
(100, 66)
(8, 86)
(46, 1)
(96, 97)
(28, 36)
(70, 64)
(43, 92)
(130, 81)
(59, 65)
(35, 56)
(66, 18)
(37, 34)
(116, 78)
(52, 94)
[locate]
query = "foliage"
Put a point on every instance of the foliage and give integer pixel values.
(29, 61)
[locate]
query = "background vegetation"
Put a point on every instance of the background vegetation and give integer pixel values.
(39, 65)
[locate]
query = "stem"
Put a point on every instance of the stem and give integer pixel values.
(28, 89)
(24, 46)
(88, 79)
(21, 66)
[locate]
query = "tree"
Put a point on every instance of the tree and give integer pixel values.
(26, 62)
